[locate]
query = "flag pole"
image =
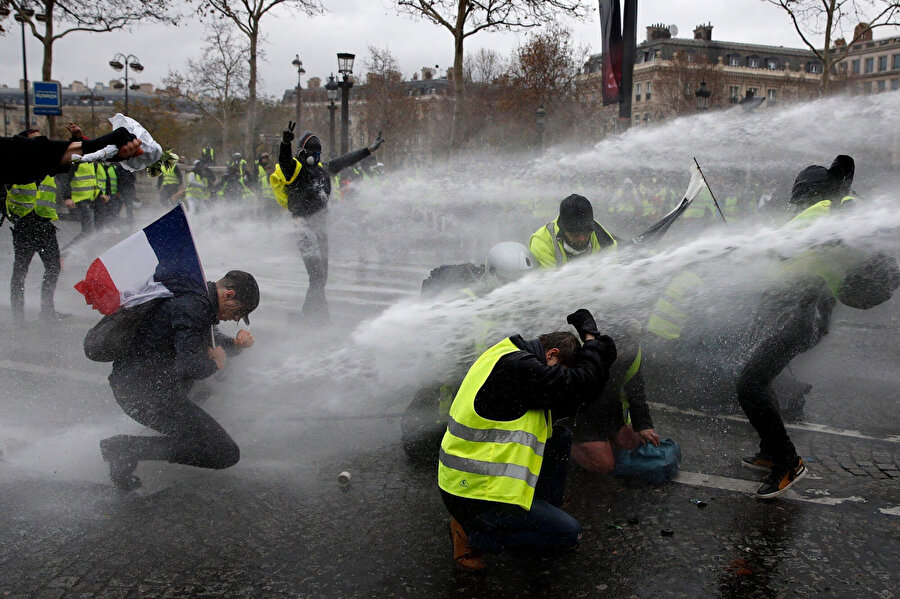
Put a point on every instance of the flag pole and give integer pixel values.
(710, 192)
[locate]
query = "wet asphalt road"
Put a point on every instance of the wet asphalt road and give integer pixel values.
(279, 525)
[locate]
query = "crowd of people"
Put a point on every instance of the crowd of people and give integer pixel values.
(523, 408)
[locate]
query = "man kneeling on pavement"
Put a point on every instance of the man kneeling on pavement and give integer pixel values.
(502, 464)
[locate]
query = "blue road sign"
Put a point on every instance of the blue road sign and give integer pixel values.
(47, 98)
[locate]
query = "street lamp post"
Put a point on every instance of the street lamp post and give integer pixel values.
(331, 89)
(540, 116)
(120, 61)
(345, 68)
(28, 13)
(300, 72)
(93, 96)
(702, 95)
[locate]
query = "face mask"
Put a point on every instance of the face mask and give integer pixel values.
(570, 250)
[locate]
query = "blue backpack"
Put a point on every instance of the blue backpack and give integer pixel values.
(648, 462)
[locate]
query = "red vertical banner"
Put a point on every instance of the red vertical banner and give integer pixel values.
(611, 39)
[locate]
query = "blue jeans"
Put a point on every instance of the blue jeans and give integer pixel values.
(494, 526)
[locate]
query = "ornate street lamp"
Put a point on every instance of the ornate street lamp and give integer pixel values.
(345, 68)
(703, 95)
(121, 61)
(300, 72)
(331, 89)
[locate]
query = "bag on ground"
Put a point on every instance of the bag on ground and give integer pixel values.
(648, 462)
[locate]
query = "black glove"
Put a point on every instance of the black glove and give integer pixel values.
(119, 137)
(607, 348)
(377, 143)
(287, 136)
(583, 322)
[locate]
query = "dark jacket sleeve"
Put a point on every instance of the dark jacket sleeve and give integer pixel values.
(65, 184)
(178, 174)
(24, 160)
(522, 382)
(286, 160)
(226, 342)
(637, 403)
(192, 338)
(341, 162)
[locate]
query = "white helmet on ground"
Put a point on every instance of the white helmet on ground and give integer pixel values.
(509, 260)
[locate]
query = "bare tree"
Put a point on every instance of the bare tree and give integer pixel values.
(247, 15)
(676, 85)
(465, 18)
(831, 18)
(59, 18)
(387, 107)
(484, 66)
(216, 84)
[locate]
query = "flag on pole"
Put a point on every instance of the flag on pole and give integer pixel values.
(128, 273)
(694, 189)
(611, 40)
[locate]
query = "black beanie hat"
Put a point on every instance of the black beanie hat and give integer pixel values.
(576, 215)
(309, 143)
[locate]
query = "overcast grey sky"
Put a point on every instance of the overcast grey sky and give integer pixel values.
(352, 26)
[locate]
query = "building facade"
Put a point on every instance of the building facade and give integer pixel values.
(869, 66)
(669, 70)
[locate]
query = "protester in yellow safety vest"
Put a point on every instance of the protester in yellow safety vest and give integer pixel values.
(266, 195)
(572, 234)
(198, 185)
(792, 320)
(31, 208)
(80, 188)
(107, 181)
(208, 155)
(502, 463)
(169, 183)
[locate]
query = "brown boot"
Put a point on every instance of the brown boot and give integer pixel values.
(464, 556)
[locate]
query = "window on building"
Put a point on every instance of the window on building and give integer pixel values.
(870, 65)
(753, 62)
(882, 63)
(772, 95)
(754, 91)
(690, 57)
(734, 92)
(895, 84)
(647, 94)
(734, 60)
(637, 119)
(882, 85)
(637, 92)
(772, 64)
(895, 61)
(813, 67)
(855, 67)
(646, 117)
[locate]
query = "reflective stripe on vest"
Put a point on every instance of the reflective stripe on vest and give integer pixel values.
(197, 192)
(561, 257)
(623, 395)
(670, 311)
(488, 459)
(169, 177)
(84, 183)
(20, 199)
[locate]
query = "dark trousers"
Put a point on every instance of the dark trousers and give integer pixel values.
(85, 211)
(312, 241)
(492, 526)
(787, 324)
(190, 435)
(33, 234)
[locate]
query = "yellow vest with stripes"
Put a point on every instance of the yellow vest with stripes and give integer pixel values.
(168, 175)
(549, 251)
(22, 199)
(84, 183)
(491, 460)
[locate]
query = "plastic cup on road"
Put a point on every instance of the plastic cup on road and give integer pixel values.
(344, 478)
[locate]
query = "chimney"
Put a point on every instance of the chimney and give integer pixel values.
(658, 32)
(862, 33)
(703, 32)
(427, 73)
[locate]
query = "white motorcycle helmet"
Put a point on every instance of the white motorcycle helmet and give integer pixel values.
(508, 260)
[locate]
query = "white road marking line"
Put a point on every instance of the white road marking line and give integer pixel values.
(53, 371)
(890, 511)
(749, 487)
(798, 426)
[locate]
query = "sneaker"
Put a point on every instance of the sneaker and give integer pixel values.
(115, 451)
(781, 479)
(464, 556)
(757, 462)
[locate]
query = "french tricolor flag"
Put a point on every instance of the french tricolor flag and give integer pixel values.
(126, 274)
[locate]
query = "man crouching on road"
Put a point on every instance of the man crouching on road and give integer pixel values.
(171, 349)
(502, 464)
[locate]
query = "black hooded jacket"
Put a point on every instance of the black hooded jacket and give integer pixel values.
(310, 191)
(170, 345)
(522, 381)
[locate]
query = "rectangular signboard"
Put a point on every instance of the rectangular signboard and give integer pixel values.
(47, 98)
